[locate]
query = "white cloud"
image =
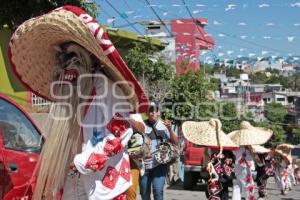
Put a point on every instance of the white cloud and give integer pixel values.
(230, 7)
(270, 24)
(175, 5)
(296, 4)
(263, 5)
(200, 5)
(229, 52)
(110, 20)
(165, 14)
(220, 54)
(221, 35)
(137, 16)
(264, 52)
(251, 54)
(244, 36)
(196, 11)
(215, 22)
(129, 12)
(291, 38)
(267, 37)
(179, 21)
(242, 24)
(203, 53)
(242, 49)
(297, 24)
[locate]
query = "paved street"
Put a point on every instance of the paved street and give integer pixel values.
(177, 193)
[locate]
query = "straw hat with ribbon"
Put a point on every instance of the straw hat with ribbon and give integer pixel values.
(32, 51)
(285, 156)
(208, 134)
(260, 149)
(285, 150)
(250, 135)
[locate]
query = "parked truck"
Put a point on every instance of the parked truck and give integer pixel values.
(193, 164)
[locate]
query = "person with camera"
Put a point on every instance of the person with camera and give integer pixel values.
(162, 154)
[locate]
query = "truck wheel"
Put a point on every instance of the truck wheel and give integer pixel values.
(188, 180)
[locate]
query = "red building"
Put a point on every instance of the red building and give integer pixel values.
(190, 39)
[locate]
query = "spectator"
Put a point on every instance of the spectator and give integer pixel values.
(155, 173)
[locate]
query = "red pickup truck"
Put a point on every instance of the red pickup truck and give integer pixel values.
(20, 145)
(194, 169)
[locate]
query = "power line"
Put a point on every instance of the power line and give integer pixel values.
(116, 10)
(195, 22)
(246, 41)
(125, 2)
(161, 21)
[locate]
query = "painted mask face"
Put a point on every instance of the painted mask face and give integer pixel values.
(72, 61)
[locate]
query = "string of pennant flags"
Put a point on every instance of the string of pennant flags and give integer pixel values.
(246, 44)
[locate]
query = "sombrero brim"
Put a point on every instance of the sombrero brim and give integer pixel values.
(260, 149)
(254, 136)
(284, 155)
(31, 51)
(202, 133)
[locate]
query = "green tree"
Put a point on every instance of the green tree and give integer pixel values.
(278, 136)
(233, 72)
(187, 92)
(229, 117)
(15, 12)
(296, 136)
(275, 112)
(258, 78)
(150, 69)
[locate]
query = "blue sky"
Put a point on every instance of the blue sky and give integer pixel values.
(239, 27)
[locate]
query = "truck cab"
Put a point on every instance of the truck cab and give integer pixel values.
(194, 169)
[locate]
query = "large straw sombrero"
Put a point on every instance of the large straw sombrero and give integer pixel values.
(260, 149)
(285, 150)
(250, 135)
(284, 155)
(207, 133)
(31, 51)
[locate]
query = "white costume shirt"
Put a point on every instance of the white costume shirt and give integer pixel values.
(114, 176)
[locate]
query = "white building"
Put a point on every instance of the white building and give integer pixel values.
(156, 29)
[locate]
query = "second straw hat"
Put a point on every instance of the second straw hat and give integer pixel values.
(260, 149)
(207, 133)
(250, 135)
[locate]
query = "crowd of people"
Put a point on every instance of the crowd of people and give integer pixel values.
(96, 152)
(245, 164)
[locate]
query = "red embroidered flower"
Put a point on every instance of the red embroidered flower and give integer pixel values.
(110, 178)
(118, 125)
(218, 168)
(227, 169)
(250, 188)
(96, 161)
(125, 170)
(251, 197)
(113, 147)
(248, 178)
(121, 197)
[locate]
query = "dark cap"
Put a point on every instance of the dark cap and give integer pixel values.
(153, 107)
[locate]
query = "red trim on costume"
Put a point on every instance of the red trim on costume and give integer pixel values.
(110, 178)
(118, 125)
(96, 162)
